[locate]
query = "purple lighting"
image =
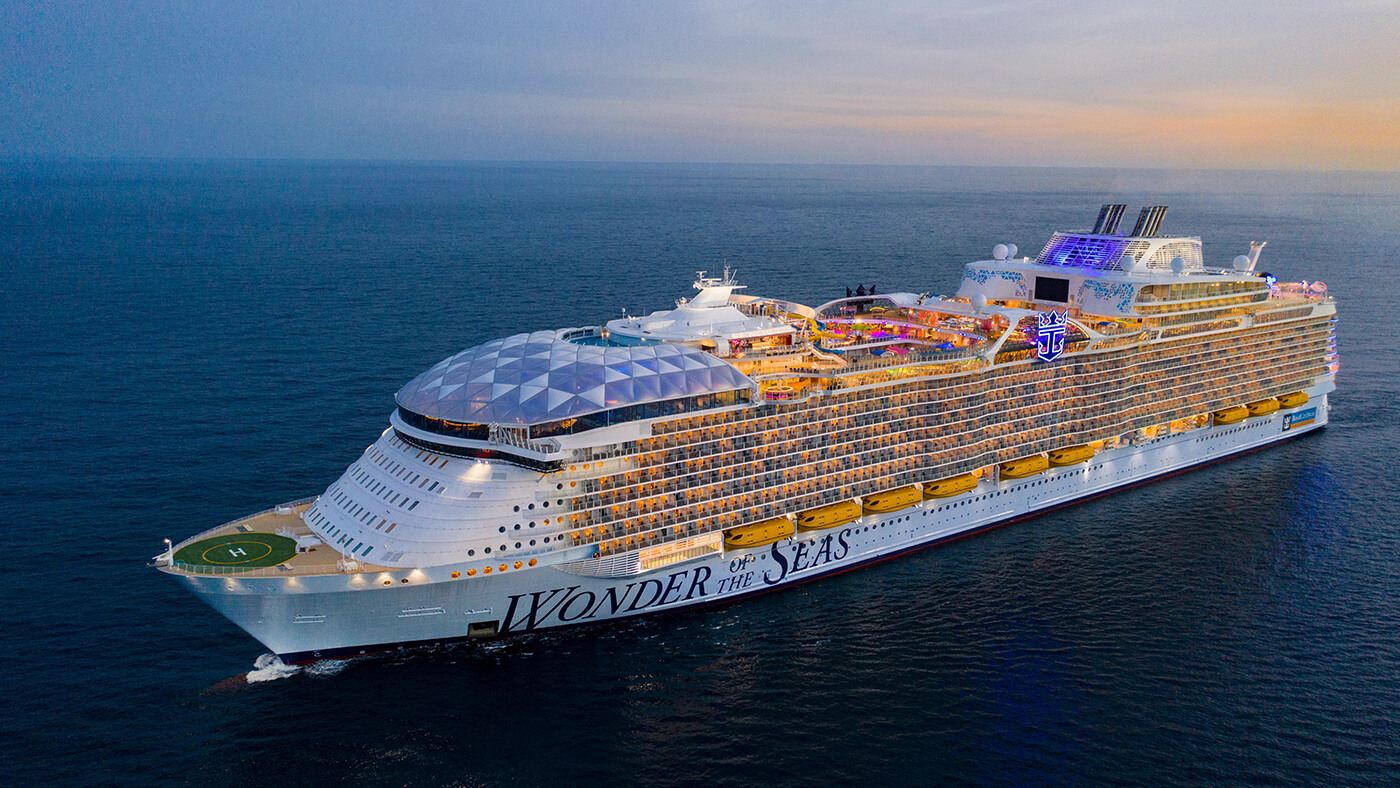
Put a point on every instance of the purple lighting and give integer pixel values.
(1082, 251)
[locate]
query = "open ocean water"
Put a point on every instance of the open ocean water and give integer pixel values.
(185, 343)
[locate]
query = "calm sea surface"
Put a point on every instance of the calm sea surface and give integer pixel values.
(182, 344)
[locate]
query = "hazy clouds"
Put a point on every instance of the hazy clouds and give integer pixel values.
(1216, 84)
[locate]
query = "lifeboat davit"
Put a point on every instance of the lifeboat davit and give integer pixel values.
(889, 501)
(828, 516)
(1026, 466)
(954, 485)
(1231, 415)
(1263, 407)
(759, 534)
(1294, 400)
(1071, 455)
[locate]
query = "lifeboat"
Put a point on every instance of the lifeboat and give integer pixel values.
(759, 534)
(1231, 415)
(1263, 407)
(828, 516)
(1026, 466)
(1295, 400)
(889, 501)
(1071, 455)
(944, 488)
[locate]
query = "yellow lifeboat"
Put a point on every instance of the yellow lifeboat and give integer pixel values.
(1263, 407)
(1025, 466)
(759, 534)
(944, 488)
(828, 516)
(1231, 415)
(889, 501)
(1071, 455)
(1294, 400)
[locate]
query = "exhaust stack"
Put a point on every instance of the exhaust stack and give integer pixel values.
(1109, 217)
(1149, 221)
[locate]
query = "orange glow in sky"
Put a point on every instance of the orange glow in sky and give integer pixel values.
(1131, 83)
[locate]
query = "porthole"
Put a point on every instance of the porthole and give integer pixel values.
(471, 552)
(488, 551)
(517, 545)
(388, 582)
(518, 564)
(517, 508)
(456, 575)
(502, 529)
(532, 523)
(471, 573)
(545, 504)
(533, 562)
(486, 571)
(503, 547)
(517, 526)
(532, 542)
(546, 540)
(532, 506)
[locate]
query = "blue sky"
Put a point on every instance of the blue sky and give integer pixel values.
(1200, 84)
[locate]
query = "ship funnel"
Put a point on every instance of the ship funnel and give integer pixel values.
(1149, 221)
(1109, 217)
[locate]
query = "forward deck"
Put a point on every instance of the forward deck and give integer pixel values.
(273, 543)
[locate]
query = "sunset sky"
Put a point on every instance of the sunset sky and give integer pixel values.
(1277, 85)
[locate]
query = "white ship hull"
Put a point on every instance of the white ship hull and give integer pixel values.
(340, 616)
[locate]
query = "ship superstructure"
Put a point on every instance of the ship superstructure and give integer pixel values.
(738, 443)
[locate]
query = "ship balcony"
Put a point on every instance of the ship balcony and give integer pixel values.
(273, 543)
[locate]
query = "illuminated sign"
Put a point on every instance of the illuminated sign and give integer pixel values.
(1050, 335)
(1301, 418)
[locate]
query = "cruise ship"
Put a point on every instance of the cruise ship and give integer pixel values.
(736, 444)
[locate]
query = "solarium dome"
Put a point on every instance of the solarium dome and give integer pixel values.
(541, 377)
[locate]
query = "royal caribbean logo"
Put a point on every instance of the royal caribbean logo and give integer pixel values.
(1050, 335)
(1301, 418)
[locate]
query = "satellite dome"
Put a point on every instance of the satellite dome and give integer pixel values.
(1011, 250)
(1178, 265)
(979, 301)
(1242, 262)
(1000, 251)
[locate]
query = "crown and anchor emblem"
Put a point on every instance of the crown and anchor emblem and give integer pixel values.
(1050, 335)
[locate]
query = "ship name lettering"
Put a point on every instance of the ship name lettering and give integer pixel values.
(804, 558)
(735, 583)
(637, 603)
(536, 615)
(568, 605)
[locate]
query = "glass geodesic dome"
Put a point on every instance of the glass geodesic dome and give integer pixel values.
(540, 377)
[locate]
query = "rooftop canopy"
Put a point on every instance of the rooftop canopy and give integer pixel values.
(540, 377)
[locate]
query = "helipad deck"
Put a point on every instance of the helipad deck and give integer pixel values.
(273, 543)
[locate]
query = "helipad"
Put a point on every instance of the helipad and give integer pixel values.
(240, 550)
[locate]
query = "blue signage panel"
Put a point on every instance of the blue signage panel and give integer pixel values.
(1050, 335)
(1300, 418)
